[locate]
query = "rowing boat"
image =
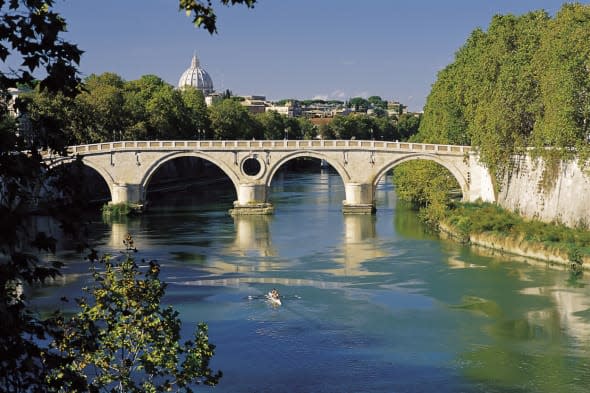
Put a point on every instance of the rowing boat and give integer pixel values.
(273, 299)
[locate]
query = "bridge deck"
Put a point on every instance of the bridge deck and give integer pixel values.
(267, 145)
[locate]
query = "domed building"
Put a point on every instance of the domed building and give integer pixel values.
(197, 77)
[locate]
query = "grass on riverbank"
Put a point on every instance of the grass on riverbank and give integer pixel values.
(477, 218)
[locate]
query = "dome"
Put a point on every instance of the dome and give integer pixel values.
(197, 77)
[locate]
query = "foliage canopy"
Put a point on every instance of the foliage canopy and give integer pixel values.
(31, 36)
(123, 340)
(522, 83)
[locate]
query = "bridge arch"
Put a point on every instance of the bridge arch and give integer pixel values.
(151, 170)
(104, 174)
(456, 172)
(306, 153)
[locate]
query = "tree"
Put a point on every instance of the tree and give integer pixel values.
(358, 126)
(307, 129)
(204, 14)
(50, 119)
(523, 82)
(273, 124)
(30, 33)
(427, 185)
(503, 110)
(296, 127)
(29, 30)
(407, 125)
(326, 131)
(123, 340)
(197, 117)
(227, 94)
(166, 115)
(138, 96)
(33, 31)
(562, 63)
(111, 109)
(231, 120)
(490, 95)
(387, 129)
(380, 112)
(366, 127)
(342, 127)
(444, 120)
(377, 102)
(103, 102)
(359, 104)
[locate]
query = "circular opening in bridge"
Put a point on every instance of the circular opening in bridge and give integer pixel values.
(251, 167)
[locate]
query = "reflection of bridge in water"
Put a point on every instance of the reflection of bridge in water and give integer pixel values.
(128, 166)
(566, 314)
(253, 237)
(356, 248)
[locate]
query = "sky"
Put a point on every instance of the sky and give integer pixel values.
(302, 49)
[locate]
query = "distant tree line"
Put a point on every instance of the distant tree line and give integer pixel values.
(110, 109)
(363, 126)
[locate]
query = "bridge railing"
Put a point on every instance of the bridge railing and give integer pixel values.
(289, 144)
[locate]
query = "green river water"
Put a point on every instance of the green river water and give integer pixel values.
(370, 303)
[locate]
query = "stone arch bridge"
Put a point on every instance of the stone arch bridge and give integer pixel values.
(127, 166)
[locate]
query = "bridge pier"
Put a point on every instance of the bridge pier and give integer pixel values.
(359, 199)
(480, 183)
(128, 193)
(252, 199)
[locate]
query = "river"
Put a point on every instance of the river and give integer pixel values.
(370, 303)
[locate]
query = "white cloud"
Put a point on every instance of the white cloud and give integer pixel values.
(363, 94)
(338, 94)
(334, 95)
(320, 97)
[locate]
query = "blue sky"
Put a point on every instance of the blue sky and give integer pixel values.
(331, 49)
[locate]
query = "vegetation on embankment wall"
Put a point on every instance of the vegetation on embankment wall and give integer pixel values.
(523, 82)
(427, 186)
(519, 86)
(491, 226)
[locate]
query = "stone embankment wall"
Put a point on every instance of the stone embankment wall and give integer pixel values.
(512, 246)
(560, 194)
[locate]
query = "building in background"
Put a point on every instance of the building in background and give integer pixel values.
(289, 109)
(254, 104)
(197, 77)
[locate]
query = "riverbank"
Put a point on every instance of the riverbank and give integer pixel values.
(490, 226)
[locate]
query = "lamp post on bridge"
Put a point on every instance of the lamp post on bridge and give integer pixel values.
(286, 133)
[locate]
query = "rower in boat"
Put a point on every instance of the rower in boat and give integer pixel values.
(274, 297)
